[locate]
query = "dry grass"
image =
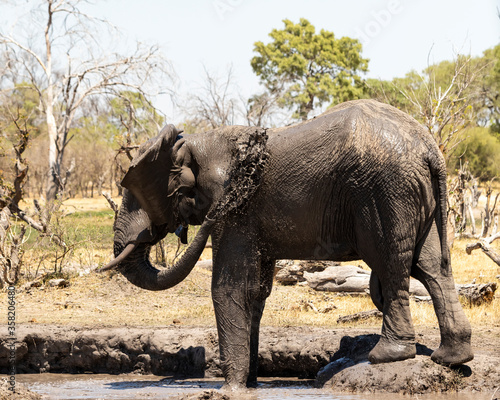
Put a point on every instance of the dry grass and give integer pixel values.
(110, 300)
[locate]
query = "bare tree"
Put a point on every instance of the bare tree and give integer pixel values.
(489, 214)
(463, 197)
(444, 103)
(69, 66)
(260, 109)
(215, 102)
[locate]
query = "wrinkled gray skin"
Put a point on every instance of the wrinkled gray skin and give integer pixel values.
(361, 181)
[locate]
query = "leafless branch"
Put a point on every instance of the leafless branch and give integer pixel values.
(215, 102)
(67, 66)
(445, 110)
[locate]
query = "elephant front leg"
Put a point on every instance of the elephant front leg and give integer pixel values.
(235, 287)
(234, 327)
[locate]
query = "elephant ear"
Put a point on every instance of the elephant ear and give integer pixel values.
(148, 175)
(181, 174)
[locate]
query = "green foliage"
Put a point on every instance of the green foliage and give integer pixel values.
(17, 106)
(391, 92)
(490, 89)
(20, 103)
(482, 150)
(482, 95)
(128, 114)
(443, 98)
(307, 69)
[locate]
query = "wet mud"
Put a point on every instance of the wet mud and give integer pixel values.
(333, 360)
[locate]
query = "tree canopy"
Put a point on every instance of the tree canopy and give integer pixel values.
(305, 69)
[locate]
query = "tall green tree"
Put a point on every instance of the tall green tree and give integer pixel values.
(305, 69)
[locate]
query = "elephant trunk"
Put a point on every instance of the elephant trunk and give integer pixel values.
(137, 268)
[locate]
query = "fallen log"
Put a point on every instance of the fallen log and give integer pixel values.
(353, 280)
(350, 279)
(289, 272)
(360, 316)
(205, 264)
(477, 294)
(484, 245)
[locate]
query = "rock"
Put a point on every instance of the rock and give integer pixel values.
(417, 289)
(58, 283)
(360, 316)
(33, 284)
(290, 274)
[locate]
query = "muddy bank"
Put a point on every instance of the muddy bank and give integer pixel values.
(351, 371)
(339, 354)
(171, 351)
(21, 393)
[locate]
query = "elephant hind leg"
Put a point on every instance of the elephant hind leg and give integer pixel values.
(376, 292)
(392, 275)
(436, 276)
(266, 283)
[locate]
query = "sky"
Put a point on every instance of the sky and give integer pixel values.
(397, 35)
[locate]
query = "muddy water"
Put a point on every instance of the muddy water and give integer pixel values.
(125, 387)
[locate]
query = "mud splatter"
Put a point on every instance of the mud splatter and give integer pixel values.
(249, 157)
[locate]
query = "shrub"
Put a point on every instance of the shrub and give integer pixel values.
(482, 150)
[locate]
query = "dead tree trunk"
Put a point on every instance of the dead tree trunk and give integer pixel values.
(484, 245)
(463, 199)
(477, 294)
(489, 212)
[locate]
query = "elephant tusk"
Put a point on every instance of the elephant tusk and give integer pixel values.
(122, 256)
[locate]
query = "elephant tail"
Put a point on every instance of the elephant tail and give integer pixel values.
(439, 175)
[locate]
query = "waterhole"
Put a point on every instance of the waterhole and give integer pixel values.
(125, 387)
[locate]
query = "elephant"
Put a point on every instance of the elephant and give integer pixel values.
(363, 181)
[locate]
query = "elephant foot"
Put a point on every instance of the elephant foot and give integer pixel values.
(252, 384)
(453, 355)
(233, 387)
(388, 351)
(237, 381)
(252, 381)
